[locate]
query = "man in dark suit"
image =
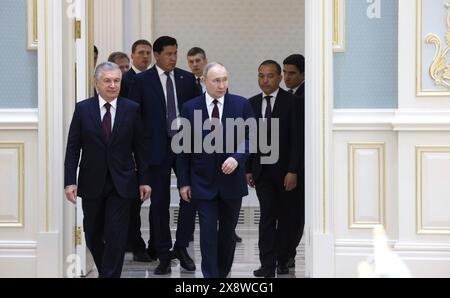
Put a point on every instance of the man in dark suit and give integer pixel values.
(197, 61)
(122, 60)
(141, 55)
(108, 130)
(276, 184)
(215, 182)
(196, 58)
(161, 91)
(294, 78)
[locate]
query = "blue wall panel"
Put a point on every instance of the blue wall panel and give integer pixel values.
(18, 66)
(366, 75)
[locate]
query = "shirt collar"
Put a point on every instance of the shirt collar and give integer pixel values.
(162, 72)
(210, 100)
(137, 71)
(102, 102)
(298, 87)
(274, 94)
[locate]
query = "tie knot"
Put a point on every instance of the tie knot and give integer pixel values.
(268, 98)
(291, 91)
(215, 102)
(167, 73)
(107, 106)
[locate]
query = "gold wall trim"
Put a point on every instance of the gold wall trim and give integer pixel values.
(339, 25)
(20, 222)
(420, 92)
(31, 24)
(353, 221)
(421, 228)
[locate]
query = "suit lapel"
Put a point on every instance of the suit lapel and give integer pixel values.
(120, 115)
(96, 118)
(278, 104)
(179, 81)
(154, 77)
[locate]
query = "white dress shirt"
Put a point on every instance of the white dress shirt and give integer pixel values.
(163, 78)
(201, 84)
(210, 105)
(137, 71)
(298, 87)
(272, 102)
(112, 110)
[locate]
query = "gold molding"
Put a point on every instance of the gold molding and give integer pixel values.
(419, 59)
(20, 147)
(339, 26)
(32, 27)
(353, 221)
(421, 229)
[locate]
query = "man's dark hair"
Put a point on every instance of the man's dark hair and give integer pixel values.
(95, 50)
(140, 42)
(297, 60)
(164, 41)
(117, 55)
(271, 62)
(195, 51)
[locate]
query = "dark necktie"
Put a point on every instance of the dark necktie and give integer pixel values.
(291, 91)
(268, 113)
(171, 105)
(268, 116)
(215, 112)
(107, 122)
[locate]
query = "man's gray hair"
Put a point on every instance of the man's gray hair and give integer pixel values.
(108, 66)
(209, 66)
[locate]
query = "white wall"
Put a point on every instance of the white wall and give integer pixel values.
(240, 34)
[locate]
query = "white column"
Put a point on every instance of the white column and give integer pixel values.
(51, 74)
(108, 27)
(319, 90)
(138, 22)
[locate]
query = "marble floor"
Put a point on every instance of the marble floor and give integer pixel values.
(246, 260)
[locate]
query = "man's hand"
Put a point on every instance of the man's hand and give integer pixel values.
(290, 182)
(250, 181)
(186, 193)
(71, 193)
(229, 166)
(145, 192)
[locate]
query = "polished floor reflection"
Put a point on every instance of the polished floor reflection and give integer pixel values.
(246, 260)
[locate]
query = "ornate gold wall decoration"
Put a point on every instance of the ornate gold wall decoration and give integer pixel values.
(339, 25)
(439, 69)
(32, 30)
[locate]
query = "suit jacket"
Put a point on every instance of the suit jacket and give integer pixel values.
(121, 157)
(203, 171)
(148, 92)
(285, 109)
(127, 83)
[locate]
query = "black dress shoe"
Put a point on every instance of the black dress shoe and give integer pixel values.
(142, 256)
(185, 260)
(238, 239)
(291, 263)
(163, 268)
(264, 272)
(282, 270)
